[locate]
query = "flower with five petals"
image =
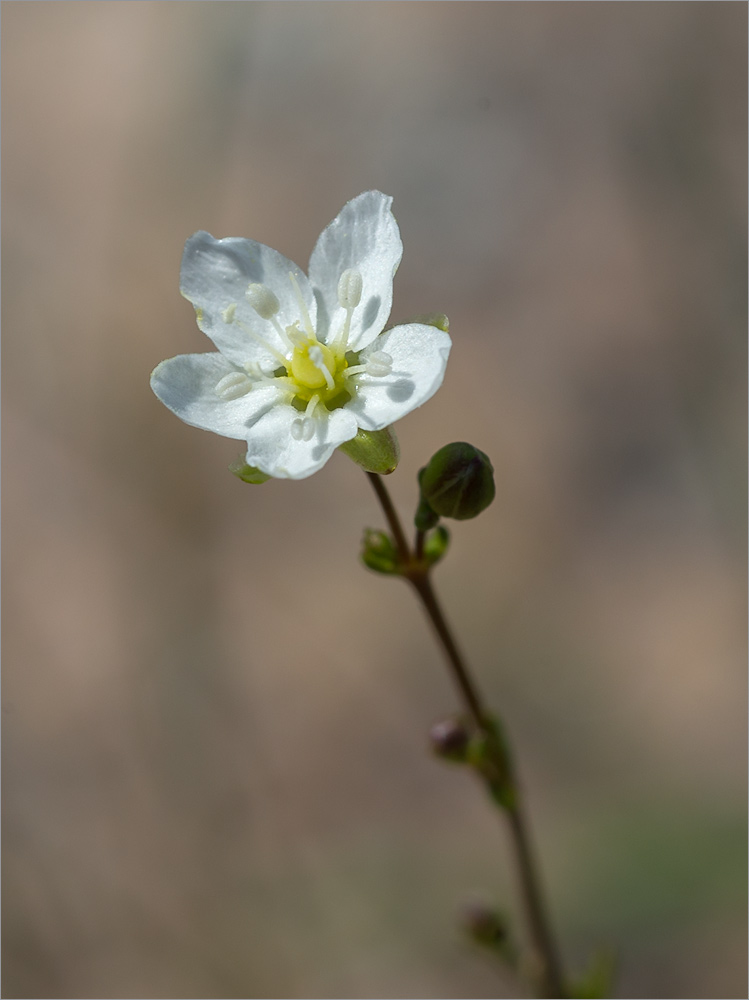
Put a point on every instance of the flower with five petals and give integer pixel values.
(302, 362)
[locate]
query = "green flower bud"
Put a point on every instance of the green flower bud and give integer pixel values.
(248, 473)
(458, 482)
(436, 544)
(374, 451)
(379, 552)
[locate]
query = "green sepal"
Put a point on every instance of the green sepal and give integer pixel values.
(426, 319)
(489, 755)
(379, 552)
(435, 544)
(424, 518)
(374, 451)
(248, 473)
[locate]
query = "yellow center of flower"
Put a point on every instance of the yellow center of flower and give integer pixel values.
(317, 377)
(308, 371)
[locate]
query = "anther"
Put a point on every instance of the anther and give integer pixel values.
(349, 289)
(262, 300)
(303, 429)
(233, 385)
(227, 315)
(379, 364)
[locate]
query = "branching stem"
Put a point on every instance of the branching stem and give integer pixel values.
(549, 980)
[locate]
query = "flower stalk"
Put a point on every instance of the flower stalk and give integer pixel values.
(492, 761)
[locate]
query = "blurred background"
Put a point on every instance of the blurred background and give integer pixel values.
(216, 775)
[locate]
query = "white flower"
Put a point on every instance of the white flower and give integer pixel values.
(302, 363)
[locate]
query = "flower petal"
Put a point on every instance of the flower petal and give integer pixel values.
(364, 236)
(419, 356)
(215, 276)
(187, 385)
(271, 447)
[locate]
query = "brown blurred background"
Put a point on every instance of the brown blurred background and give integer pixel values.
(216, 781)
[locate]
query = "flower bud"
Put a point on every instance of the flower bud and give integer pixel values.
(458, 482)
(379, 552)
(374, 451)
(485, 925)
(435, 544)
(450, 739)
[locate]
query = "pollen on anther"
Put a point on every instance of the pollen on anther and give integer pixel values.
(349, 289)
(233, 385)
(379, 364)
(262, 300)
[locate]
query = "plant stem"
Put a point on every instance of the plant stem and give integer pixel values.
(549, 973)
(392, 516)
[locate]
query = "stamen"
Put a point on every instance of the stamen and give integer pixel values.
(349, 296)
(262, 300)
(302, 306)
(349, 289)
(303, 429)
(378, 364)
(256, 336)
(233, 386)
(227, 315)
(316, 357)
(266, 305)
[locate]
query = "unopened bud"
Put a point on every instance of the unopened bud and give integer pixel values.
(485, 925)
(458, 482)
(450, 739)
(379, 552)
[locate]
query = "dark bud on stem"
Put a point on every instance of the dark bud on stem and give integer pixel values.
(458, 482)
(485, 925)
(450, 739)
